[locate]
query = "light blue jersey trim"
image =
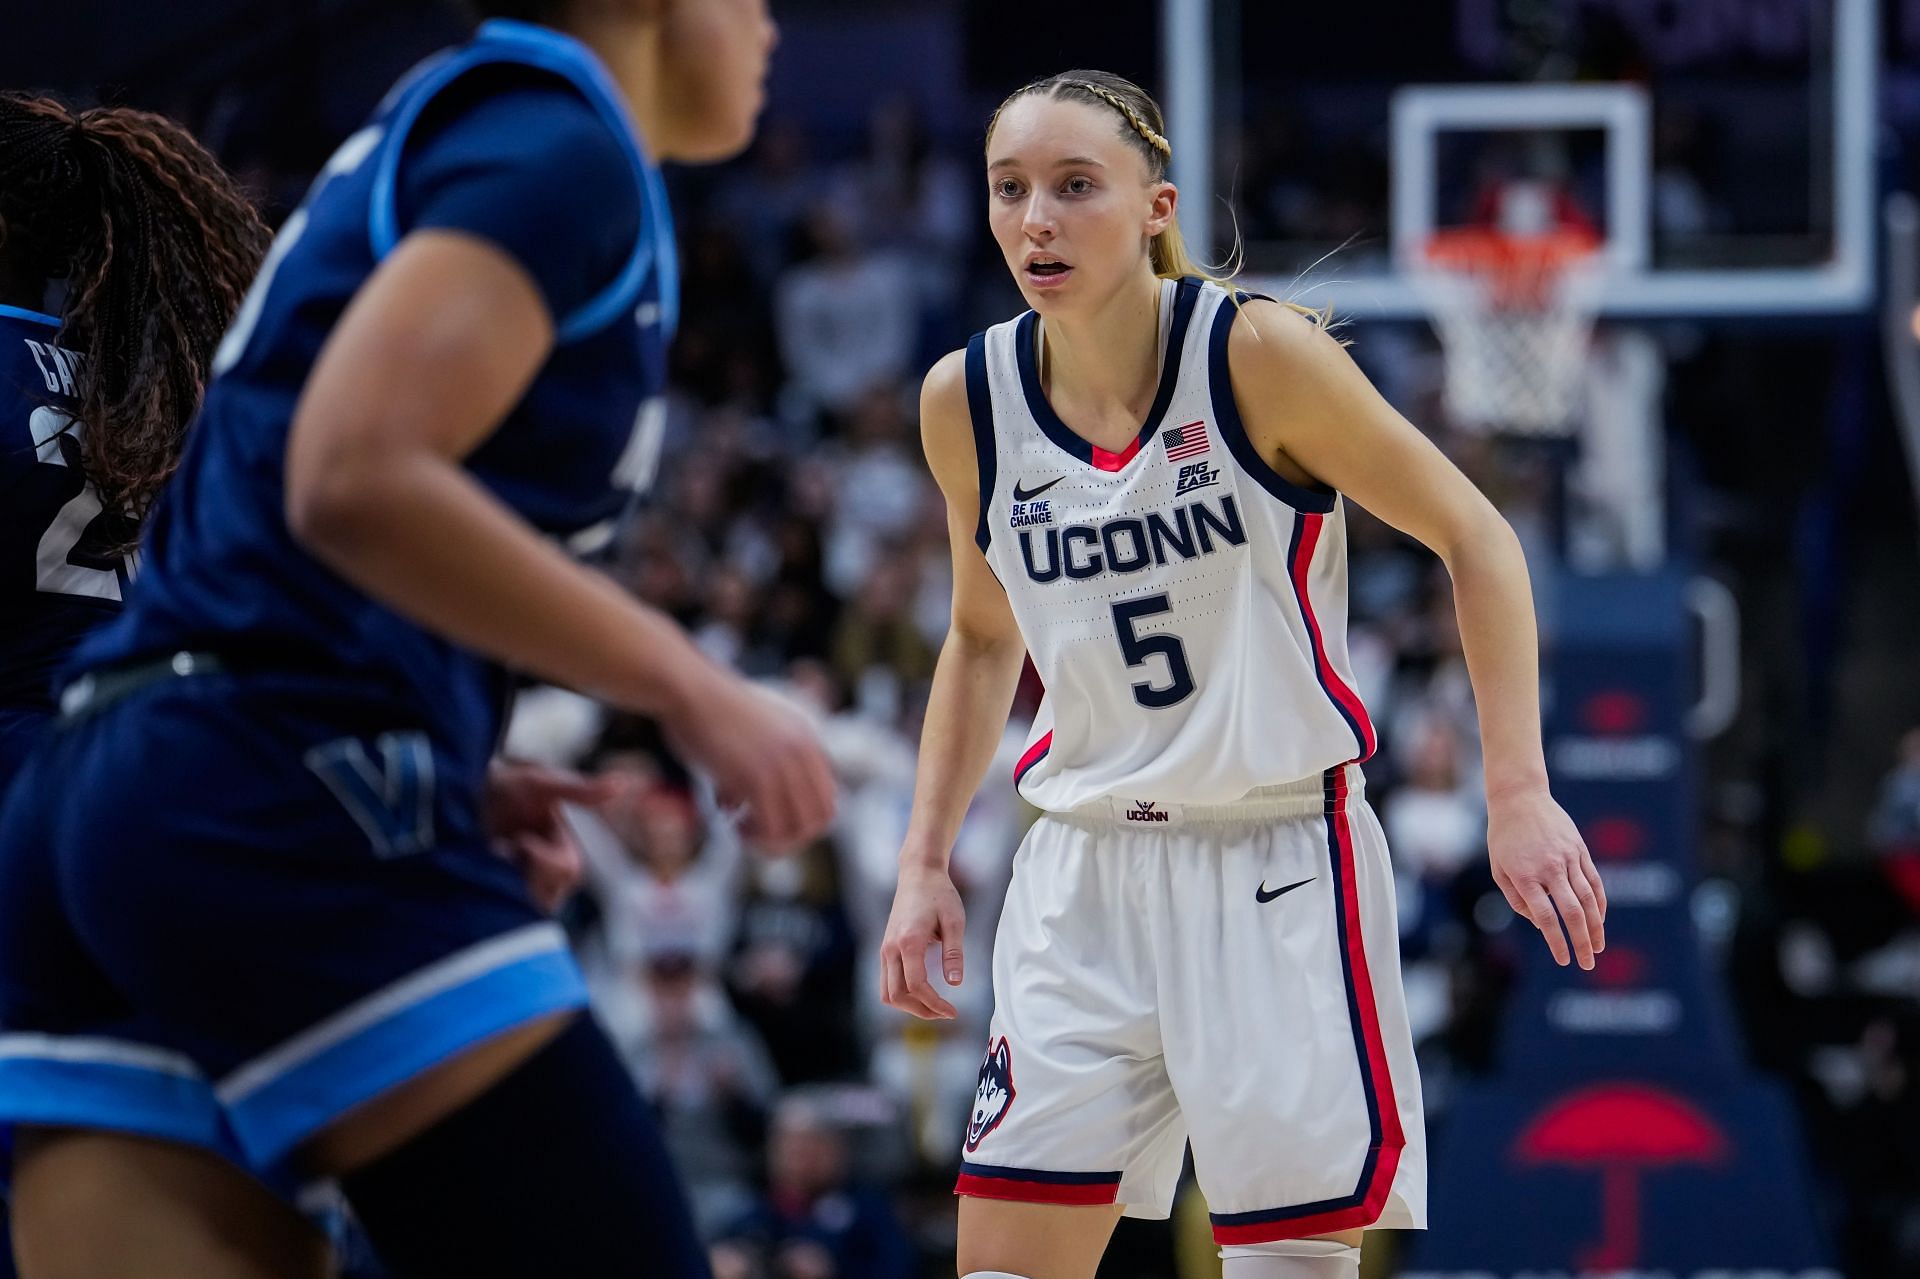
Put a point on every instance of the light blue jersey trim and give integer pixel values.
(114, 1096)
(21, 313)
(501, 40)
(273, 1116)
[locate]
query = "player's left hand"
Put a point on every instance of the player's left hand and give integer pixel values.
(529, 829)
(1541, 864)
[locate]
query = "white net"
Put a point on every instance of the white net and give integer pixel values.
(1515, 317)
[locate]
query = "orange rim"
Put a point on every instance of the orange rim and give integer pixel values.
(1518, 270)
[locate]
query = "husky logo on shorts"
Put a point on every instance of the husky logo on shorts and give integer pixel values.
(1147, 811)
(993, 1095)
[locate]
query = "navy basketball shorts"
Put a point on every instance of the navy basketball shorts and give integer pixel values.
(234, 907)
(1228, 976)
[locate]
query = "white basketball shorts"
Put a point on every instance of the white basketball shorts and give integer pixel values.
(1229, 976)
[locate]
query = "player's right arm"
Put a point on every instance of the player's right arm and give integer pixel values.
(428, 359)
(973, 688)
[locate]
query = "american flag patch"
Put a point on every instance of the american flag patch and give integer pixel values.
(1185, 441)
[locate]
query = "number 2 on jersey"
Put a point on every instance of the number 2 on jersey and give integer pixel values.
(1137, 648)
(76, 554)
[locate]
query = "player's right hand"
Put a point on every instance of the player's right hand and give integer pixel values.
(926, 912)
(763, 756)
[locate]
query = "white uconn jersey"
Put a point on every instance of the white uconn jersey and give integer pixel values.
(1185, 605)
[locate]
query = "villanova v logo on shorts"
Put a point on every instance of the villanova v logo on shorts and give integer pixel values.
(392, 803)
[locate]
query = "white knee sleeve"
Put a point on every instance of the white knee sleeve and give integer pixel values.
(1290, 1259)
(990, 1274)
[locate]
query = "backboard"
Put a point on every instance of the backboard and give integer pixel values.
(1724, 150)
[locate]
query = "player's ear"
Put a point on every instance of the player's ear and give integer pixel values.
(1165, 205)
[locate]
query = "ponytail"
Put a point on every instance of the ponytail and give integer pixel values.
(156, 246)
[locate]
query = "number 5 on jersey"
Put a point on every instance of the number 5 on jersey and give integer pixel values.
(1137, 648)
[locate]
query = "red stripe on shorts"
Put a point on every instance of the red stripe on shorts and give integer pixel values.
(1036, 1192)
(1372, 1196)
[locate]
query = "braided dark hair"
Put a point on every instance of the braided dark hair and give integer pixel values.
(156, 245)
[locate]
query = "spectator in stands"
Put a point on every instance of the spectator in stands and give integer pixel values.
(766, 202)
(665, 875)
(882, 488)
(1435, 824)
(724, 349)
(879, 648)
(1895, 824)
(710, 1082)
(791, 974)
(907, 194)
(814, 1221)
(847, 316)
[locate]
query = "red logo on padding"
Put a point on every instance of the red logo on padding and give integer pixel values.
(1620, 1130)
(1614, 713)
(1615, 838)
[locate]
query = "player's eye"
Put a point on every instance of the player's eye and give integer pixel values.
(1007, 189)
(1078, 185)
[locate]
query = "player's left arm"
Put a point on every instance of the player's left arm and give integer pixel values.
(1313, 414)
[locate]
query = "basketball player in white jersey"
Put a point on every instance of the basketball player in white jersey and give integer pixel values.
(1144, 479)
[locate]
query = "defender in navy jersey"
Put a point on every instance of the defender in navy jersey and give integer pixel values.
(287, 947)
(1145, 479)
(124, 222)
(61, 567)
(134, 231)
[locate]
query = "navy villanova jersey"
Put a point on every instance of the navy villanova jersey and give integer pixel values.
(223, 572)
(61, 570)
(293, 904)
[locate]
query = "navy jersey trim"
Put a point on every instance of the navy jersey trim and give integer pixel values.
(21, 313)
(1185, 296)
(980, 410)
(1040, 1176)
(529, 45)
(1226, 413)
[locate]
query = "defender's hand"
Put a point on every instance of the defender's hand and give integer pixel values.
(762, 754)
(1540, 863)
(529, 830)
(926, 910)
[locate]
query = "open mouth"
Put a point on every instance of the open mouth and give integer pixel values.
(1044, 271)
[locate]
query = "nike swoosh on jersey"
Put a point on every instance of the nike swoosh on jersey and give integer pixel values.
(1263, 894)
(1027, 495)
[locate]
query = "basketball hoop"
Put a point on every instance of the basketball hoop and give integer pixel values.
(1515, 315)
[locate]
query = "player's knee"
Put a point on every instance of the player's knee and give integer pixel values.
(1290, 1259)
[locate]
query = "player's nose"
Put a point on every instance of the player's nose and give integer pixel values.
(1037, 219)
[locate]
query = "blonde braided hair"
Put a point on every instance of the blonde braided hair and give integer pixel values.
(1153, 136)
(1168, 252)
